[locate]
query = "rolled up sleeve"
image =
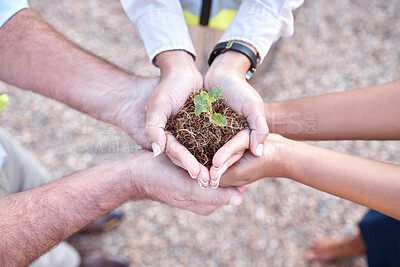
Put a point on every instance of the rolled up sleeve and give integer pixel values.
(160, 24)
(261, 23)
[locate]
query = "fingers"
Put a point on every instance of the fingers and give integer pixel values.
(239, 142)
(204, 177)
(259, 131)
(228, 155)
(181, 157)
(183, 192)
(220, 197)
(243, 188)
(205, 202)
(232, 152)
(218, 173)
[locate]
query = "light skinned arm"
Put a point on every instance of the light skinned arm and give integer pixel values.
(35, 57)
(367, 182)
(33, 221)
(257, 25)
(170, 48)
(370, 113)
(179, 78)
(229, 71)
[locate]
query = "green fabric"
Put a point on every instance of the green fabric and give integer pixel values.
(220, 21)
(3, 101)
(221, 14)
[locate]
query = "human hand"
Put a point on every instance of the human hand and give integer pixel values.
(251, 168)
(179, 77)
(159, 179)
(229, 71)
(125, 107)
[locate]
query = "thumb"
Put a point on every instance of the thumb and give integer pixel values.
(243, 188)
(156, 120)
(258, 130)
(225, 196)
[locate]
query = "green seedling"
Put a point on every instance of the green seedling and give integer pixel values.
(203, 102)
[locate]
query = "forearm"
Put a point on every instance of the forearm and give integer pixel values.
(367, 113)
(35, 57)
(32, 222)
(370, 183)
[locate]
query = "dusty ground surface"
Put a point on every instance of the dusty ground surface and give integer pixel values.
(337, 46)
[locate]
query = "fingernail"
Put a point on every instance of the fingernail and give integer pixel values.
(216, 184)
(215, 168)
(156, 149)
(201, 185)
(259, 150)
(193, 177)
(202, 181)
(235, 201)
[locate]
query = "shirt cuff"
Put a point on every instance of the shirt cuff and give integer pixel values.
(7, 9)
(158, 37)
(3, 156)
(256, 26)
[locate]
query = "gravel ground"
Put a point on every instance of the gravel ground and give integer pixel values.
(337, 46)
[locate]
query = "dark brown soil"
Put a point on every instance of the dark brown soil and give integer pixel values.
(201, 137)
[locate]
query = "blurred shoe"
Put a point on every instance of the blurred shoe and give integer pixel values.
(103, 261)
(105, 223)
(327, 248)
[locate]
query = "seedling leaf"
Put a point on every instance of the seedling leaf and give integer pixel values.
(199, 109)
(218, 119)
(204, 96)
(203, 103)
(200, 105)
(215, 94)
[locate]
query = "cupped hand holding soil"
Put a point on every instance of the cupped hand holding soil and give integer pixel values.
(202, 136)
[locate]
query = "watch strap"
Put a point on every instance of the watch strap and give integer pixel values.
(224, 46)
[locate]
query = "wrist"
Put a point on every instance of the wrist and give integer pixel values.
(273, 113)
(276, 154)
(233, 61)
(114, 182)
(288, 157)
(109, 105)
(175, 60)
(139, 176)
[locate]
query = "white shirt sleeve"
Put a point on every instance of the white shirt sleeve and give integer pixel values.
(261, 23)
(160, 24)
(9, 8)
(3, 155)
